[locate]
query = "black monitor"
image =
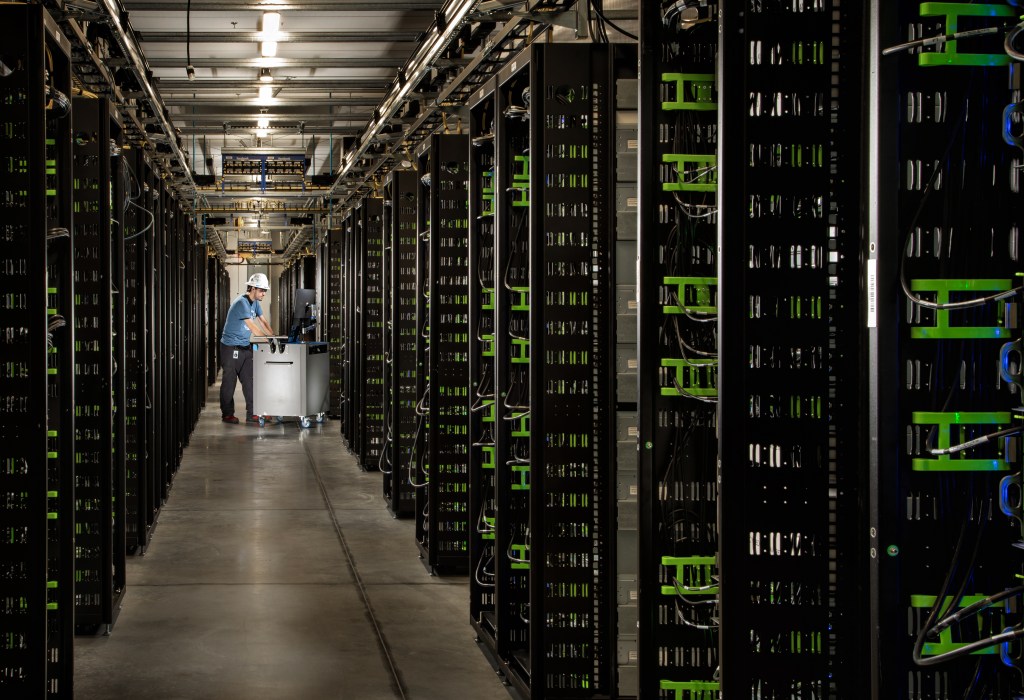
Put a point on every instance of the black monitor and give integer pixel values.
(303, 313)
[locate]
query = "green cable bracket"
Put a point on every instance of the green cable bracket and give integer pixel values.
(492, 410)
(692, 573)
(702, 176)
(520, 551)
(488, 458)
(946, 642)
(946, 423)
(521, 300)
(521, 351)
(694, 92)
(694, 377)
(943, 289)
(695, 295)
(488, 345)
(487, 192)
(693, 690)
(522, 473)
(952, 12)
(523, 429)
(487, 305)
(521, 182)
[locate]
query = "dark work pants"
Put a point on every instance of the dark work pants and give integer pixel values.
(239, 367)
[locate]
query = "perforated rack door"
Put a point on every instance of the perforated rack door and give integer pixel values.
(572, 365)
(37, 445)
(480, 439)
(947, 230)
(371, 383)
(790, 332)
(448, 366)
(94, 493)
(420, 459)
(403, 340)
(678, 237)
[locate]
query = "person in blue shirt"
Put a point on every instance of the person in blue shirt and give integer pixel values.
(245, 317)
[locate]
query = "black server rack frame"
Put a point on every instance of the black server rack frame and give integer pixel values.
(511, 371)
(441, 499)
(37, 319)
(99, 557)
(942, 286)
(370, 380)
(398, 491)
(351, 344)
(482, 404)
(572, 371)
(135, 225)
(790, 435)
(334, 311)
(678, 357)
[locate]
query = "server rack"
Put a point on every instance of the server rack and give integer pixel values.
(572, 368)
(555, 366)
(148, 473)
(790, 443)
(351, 347)
(218, 284)
(512, 356)
(678, 357)
(482, 405)
(441, 505)
(369, 332)
(335, 312)
(401, 372)
(944, 161)
(99, 507)
(37, 319)
(135, 221)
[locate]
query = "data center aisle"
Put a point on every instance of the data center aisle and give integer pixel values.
(248, 589)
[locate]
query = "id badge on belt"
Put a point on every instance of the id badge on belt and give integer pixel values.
(234, 355)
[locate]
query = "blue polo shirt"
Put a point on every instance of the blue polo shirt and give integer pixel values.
(235, 331)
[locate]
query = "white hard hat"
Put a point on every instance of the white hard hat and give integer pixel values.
(258, 280)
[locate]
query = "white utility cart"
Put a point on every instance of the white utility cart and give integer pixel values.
(290, 379)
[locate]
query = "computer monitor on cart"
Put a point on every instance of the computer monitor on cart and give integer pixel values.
(304, 313)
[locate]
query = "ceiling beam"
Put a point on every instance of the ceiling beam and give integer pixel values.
(218, 130)
(289, 118)
(350, 62)
(279, 101)
(167, 85)
(369, 36)
(305, 5)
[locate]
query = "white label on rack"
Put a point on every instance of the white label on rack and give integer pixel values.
(872, 292)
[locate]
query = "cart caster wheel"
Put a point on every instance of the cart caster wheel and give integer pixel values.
(306, 422)
(279, 419)
(263, 421)
(320, 418)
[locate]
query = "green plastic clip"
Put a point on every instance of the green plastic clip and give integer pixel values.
(693, 576)
(521, 427)
(946, 642)
(521, 355)
(694, 295)
(953, 11)
(521, 552)
(692, 377)
(942, 289)
(694, 91)
(700, 176)
(693, 690)
(953, 463)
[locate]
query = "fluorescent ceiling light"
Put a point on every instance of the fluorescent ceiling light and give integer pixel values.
(266, 92)
(261, 133)
(271, 22)
(265, 76)
(268, 49)
(263, 122)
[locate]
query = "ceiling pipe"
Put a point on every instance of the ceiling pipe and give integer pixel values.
(446, 25)
(125, 38)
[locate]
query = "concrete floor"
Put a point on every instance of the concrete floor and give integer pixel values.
(277, 572)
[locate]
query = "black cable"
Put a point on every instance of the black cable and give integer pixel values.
(611, 24)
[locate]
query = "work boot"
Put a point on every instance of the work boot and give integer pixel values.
(229, 419)
(252, 419)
